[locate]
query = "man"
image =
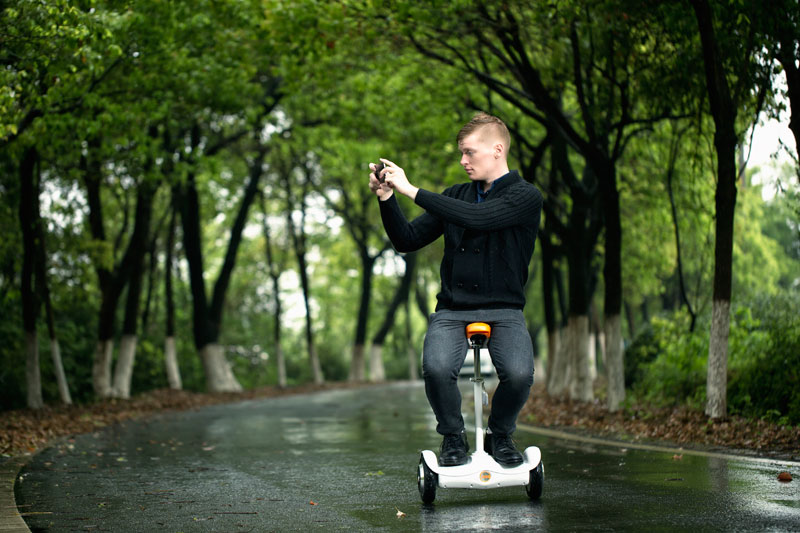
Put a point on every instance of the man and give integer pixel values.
(489, 226)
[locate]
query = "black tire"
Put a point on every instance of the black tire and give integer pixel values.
(427, 480)
(536, 482)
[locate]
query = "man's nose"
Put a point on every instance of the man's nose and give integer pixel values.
(463, 160)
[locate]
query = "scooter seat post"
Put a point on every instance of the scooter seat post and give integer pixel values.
(478, 333)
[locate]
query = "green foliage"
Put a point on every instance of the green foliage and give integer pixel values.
(764, 379)
(12, 364)
(666, 365)
(670, 363)
(355, 87)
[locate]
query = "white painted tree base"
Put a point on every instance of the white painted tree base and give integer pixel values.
(377, 372)
(717, 378)
(219, 375)
(615, 362)
(123, 371)
(171, 364)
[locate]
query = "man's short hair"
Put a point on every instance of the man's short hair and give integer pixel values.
(482, 120)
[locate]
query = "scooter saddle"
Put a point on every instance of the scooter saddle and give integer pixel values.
(479, 328)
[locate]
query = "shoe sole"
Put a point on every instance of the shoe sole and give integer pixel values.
(509, 463)
(457, 462)
(514, 462)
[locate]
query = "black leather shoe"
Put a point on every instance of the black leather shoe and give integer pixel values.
(454, 450)
(501, 447)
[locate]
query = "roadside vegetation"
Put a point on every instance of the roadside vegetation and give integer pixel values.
(186, 219)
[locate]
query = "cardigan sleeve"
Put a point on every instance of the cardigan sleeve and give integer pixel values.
(408, 236)
(521, 205)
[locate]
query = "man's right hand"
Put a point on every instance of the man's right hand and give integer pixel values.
(381, 190)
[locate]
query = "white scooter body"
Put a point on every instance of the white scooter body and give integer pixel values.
(481, 471)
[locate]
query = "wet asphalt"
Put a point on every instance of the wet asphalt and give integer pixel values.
(346, 460)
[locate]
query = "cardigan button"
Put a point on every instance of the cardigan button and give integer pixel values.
(475, 287)
(462, 249)
(477, 250)
(460, 285)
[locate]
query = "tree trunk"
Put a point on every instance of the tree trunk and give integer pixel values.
(58, 368)
(208, 316)
(170, 352)
(123, 370)
(219, 376)
(577, 333)
(134, 274)
(556, 364)
(101, 367)
(152, 270)
(110, 280)
(629, 316)
(171, 363)
(581, 234)
(313, 358)
(413, 372)
(612, 276)
(28, 218)
(274, 274)
(377, 371)
(33, 377)
(724, 113)
(673, 157)
(299, 243)
(280, 361)
(717, 377)
(548, 289)
(30, 192)
(787, 54)
(614, 367)
(316, 368)
(592, 353)
(55, 348)
(357, 364)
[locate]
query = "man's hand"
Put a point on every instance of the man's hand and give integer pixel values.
(395, 177)
(382, 190)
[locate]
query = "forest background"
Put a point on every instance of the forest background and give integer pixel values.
(185, 201)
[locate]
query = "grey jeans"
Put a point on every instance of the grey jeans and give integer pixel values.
(443, 355)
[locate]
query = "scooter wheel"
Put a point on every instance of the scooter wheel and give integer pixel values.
(427, 480)
(536, 482)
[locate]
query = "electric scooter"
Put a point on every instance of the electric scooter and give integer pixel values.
(481, 471)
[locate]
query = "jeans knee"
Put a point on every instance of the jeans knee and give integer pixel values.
(518, 378)
(436, 371)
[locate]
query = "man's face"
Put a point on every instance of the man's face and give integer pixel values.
(478, 155)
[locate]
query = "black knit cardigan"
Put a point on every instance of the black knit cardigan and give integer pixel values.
(487, 246)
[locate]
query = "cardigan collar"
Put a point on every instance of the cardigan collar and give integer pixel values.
(500, 183)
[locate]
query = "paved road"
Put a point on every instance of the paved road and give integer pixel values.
(346, 460)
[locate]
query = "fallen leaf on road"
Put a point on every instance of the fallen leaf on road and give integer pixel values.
(208, 448)
(784, 476)
(677, 457)
(312, 502)
(400, 514)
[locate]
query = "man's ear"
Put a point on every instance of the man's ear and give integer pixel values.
(499, 150)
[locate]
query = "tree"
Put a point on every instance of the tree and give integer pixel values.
(779, 23)
(275, 267)
(170, 352)
(725, 102)
(401, 295)
(605, 61)
(296, 204)
(29, 221)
